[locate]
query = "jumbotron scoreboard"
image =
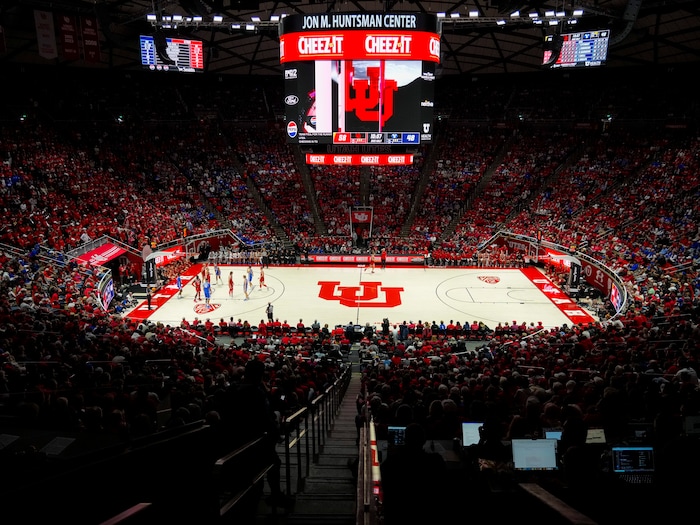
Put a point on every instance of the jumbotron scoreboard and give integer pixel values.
(359, 83)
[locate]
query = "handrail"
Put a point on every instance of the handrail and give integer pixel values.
(309, 427)
(128, 514)
(565, 511)
(230, 497)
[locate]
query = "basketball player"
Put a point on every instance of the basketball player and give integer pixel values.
(197, 283)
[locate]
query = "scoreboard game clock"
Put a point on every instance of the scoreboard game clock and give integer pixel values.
(578, 50)
(171, 54)
(359, 79)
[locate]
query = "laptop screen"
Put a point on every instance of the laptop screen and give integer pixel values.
(595, 435)
(534, 454)
(633, 460)
(553, 433)
(470, 433)
(396, 436)
(692, 425)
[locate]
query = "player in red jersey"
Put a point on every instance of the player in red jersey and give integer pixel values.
(197, 283)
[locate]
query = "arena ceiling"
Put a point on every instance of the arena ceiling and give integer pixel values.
(656, 33)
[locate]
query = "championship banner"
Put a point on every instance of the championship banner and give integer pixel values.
(68, 36)
(91, 40)
(361, 224)
(45, 34)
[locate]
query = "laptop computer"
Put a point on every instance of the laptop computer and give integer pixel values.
(396, 436)
(691, 425)
(640, 432)
(595, 436)
(633, 464)
(531, 456)
(471, 433)
(395, 440)
(553, 433)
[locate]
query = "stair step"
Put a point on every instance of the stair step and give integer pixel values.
(335, 461)
(321, 519)
(320, 505)
(328, 493)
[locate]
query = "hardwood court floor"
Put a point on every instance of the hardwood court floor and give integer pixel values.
(342, 295)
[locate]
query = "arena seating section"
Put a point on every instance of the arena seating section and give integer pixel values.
(148, 159)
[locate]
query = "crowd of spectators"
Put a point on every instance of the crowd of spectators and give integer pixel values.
(625, 198)
(66, 361)
(270, 164)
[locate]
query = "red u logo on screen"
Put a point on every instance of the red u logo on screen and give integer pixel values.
(373, 99)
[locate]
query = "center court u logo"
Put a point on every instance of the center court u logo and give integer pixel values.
(366, 295)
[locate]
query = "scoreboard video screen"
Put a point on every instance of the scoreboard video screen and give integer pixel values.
(359, 78)
(583, 49)
(176, 54)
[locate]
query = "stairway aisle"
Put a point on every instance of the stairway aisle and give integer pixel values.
(328, 495)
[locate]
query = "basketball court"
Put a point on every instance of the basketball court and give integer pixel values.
(343, 295)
